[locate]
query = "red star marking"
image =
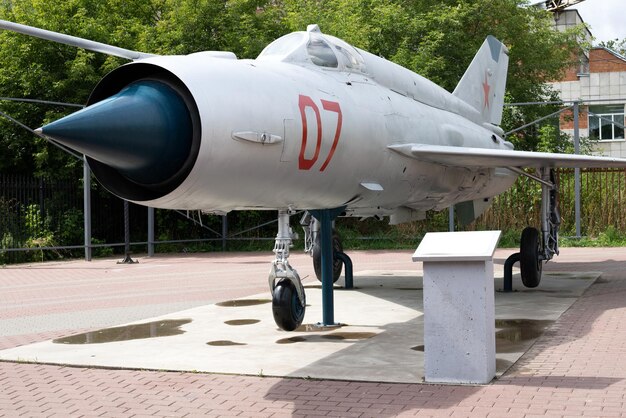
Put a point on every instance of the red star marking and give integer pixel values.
(486, 89)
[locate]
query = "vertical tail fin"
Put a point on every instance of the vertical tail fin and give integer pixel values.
(482, 86)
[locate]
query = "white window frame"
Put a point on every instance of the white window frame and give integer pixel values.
(611, 116)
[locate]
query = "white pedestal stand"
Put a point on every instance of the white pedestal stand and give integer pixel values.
(459, 311)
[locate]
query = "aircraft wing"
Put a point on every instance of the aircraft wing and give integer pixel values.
(74, 41)
(494, 158)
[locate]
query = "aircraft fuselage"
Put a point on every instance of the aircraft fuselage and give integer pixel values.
(325, 145)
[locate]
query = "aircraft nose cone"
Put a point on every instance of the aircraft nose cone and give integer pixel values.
(144, 132)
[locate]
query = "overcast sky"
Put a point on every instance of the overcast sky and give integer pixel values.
(607, 18)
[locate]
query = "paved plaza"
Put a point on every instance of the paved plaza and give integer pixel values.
(569, 364)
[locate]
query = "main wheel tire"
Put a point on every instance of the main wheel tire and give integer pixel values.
(317, 258)
(286, 307)
(530, 264)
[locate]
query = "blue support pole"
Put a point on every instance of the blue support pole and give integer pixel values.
(325, 218)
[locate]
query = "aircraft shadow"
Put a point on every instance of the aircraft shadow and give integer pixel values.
(410, 396)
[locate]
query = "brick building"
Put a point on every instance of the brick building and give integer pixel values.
(599, 83)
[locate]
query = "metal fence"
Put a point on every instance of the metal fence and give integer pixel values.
(42, 218)
(602, 196)
(31, 211)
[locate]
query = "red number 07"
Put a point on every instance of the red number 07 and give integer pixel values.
(304, 102)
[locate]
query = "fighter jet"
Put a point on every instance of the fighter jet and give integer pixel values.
(311, 124)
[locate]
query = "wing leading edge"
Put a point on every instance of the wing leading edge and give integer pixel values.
(74, 41)
(494, 158)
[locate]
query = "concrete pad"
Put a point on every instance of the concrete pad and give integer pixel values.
(380, 341)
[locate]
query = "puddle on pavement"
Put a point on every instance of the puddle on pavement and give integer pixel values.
(335, 287)
(349, 336)
(224, 343)
(502, 365)
(543, 291)
(337, 336)
(318, 286)
(572, 276)
(291, 340)
(515, 334)
(154, 329)
(317, 328)
(243, 302)
(236, 322)
(552, 293)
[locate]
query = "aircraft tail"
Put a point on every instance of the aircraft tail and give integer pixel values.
(482, 86)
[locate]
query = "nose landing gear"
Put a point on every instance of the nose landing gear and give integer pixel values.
(286, 306)
(288, 298)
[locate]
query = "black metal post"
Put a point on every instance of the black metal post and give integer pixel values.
(127, 259)
(347, 268)
(224, 231)
(508, 271)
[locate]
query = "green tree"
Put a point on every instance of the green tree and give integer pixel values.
(38, 69)
(434, 38)
(538, 54)
(551, 139)
(616, 45)
(34, 68)
(244, 27)
(438, 40)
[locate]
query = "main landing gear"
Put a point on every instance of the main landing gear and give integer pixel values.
(535, 250)
(313, 246)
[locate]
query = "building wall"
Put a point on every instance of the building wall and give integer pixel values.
(567, 119)
(598, 86)
(610, 148)
(603, 61)
(604, 84)
(597, 78)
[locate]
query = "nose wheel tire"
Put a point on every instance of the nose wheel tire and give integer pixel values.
(530, 263)
(317, 258)
(286, 307)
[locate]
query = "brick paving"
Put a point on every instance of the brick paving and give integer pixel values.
(577, 369)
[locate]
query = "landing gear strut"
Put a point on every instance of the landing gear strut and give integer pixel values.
(288, 298)
(533, 250)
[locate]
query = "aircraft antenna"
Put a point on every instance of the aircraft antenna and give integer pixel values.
(556, 6)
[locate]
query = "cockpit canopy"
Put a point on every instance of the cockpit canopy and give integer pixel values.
(314, 47)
